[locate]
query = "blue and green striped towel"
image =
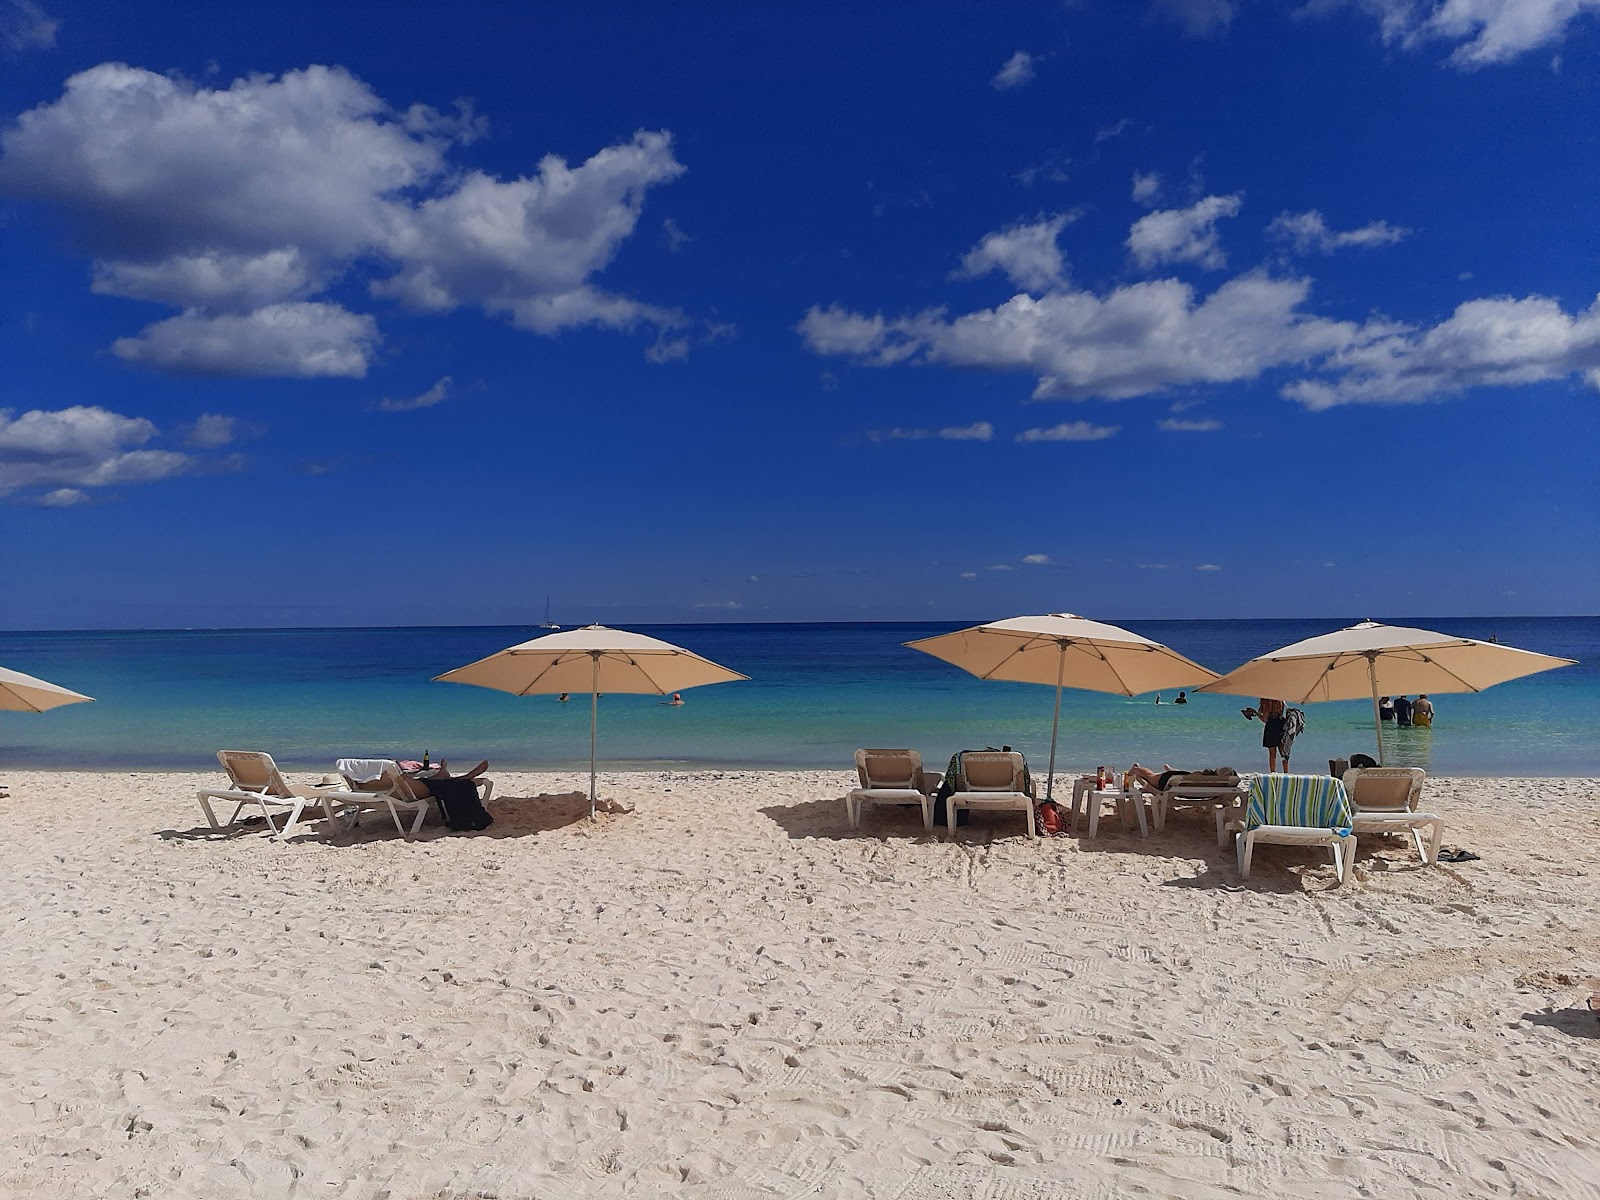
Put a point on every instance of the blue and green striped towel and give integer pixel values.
(1309, 801)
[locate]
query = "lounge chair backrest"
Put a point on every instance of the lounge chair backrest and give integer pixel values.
(1300, 801)
(392, 780)
(253, 771)
(1385, 789)
(991, 771)
(889, 768)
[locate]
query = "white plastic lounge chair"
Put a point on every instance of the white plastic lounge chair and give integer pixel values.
(889, 777)
(379, 783)
(1296, 810)
(990, 779)
(1216, 792)
(1384, 800)
(254, 779)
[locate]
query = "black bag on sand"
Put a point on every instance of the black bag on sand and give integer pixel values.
(459, 800)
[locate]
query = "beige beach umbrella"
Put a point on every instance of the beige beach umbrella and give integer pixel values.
(24, 693)
(1067, 651)
(1368, 658)
(596, 660)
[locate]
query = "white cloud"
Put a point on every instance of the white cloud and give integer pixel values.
(675, 238)
(228, 201)
(1484, 32)
(1485, 343)
(300, 341)
(1016, 71)
(1197, 17)
(717, 604)
(969, 574)
(1037, 560)
(1026, 253)
(1176, 425)
(1136, 340)
(1146, 187)
(62, 498)
(1002, 567)
(1208, 567)
(1183, 234)
(1114, 130)
(978, 431)
(26, 26)
(1069, 431)
(71, 449)
(1308, 231)
(212, 430)
(434, 395)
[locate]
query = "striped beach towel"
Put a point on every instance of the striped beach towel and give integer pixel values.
(1309, 801)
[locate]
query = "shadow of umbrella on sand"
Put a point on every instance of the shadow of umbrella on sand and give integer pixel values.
(596, 660)
(1368, 658)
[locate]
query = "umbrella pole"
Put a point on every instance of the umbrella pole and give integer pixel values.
(594, 719)
(1377, 715)
(1055, 725)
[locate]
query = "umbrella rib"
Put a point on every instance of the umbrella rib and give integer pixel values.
(1435, 662)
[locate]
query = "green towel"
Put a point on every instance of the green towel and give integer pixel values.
(1309, 801)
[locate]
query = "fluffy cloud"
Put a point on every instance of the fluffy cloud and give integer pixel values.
(1069, 431)
(1484, 343)
(1037, 560)
(1485, 32)
(26, 26)
(1208, 567)
(979, 431)
(241, 204)
(1197, 17)
(1308, 231)
(1016, 71)
(1136, 340)
(1174, 235)
(68, 450)
(437, 394)
(1146, 187)
(1027, 254)
(301, 341)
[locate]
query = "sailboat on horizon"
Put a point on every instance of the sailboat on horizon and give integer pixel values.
(548, 623)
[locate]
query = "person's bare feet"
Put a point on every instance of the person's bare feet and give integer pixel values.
(477, 770)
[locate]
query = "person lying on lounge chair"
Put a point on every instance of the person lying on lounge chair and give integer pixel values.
(1160, 779)
(419, 784)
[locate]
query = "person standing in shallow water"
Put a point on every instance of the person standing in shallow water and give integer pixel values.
(1402, 712)
(1422, 712)
(1270, 713)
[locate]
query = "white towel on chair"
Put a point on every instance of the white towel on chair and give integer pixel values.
(365, 770)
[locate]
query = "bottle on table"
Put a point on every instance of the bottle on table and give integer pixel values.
(424, 760)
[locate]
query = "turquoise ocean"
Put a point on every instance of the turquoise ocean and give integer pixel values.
(170, 699)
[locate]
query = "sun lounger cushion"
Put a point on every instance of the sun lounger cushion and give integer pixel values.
(1211, 777)
(1308, 801)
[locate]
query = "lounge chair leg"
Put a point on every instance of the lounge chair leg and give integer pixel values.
(1032, 832)
(950, 816)
(210, 816)
(1244, 847)
(927, 815)
(1436, 835)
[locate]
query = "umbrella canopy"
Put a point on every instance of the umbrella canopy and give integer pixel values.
(596, 660)
(24, 693)
(1368, 658)
(1067, 651)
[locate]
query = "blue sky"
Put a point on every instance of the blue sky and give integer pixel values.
(1211, 308)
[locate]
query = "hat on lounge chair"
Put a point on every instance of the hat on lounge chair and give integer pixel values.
(330, 781)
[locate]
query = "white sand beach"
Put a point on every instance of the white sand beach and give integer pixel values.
(728, 994)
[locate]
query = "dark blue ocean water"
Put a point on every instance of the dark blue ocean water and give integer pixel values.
(171, 699)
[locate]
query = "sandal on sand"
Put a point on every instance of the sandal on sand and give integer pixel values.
(1457, 856)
